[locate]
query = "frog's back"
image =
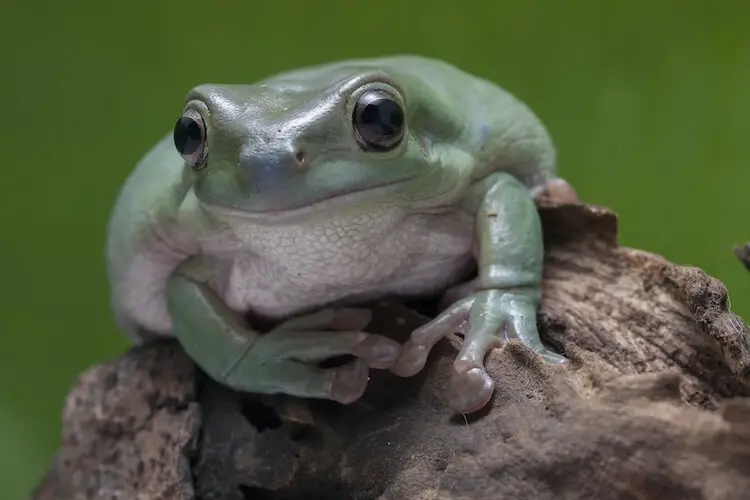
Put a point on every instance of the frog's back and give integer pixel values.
(431, 70)
(494, 126)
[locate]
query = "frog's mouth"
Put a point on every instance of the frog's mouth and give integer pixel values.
(327, 201)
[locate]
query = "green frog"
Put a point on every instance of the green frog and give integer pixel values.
(297, 199)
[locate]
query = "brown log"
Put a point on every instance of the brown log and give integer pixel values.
(654, 405)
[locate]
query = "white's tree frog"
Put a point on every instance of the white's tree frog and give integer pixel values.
(298, 198)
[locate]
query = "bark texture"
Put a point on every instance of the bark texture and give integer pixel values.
(654, 405)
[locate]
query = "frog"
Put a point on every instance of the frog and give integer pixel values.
(258, 228)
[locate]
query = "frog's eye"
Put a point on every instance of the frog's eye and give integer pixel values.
(379, 120)
(190, 138)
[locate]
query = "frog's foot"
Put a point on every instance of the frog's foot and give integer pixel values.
(557, 190)
(286, 360)
(487, 318)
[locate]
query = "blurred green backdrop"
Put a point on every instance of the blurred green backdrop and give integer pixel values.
(648, 101)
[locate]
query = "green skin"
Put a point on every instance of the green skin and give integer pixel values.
(289, 207)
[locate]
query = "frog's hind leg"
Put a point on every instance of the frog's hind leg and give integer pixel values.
(557, 190)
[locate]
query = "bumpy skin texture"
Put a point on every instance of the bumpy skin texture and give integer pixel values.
(282, 210)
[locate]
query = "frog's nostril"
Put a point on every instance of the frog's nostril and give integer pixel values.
(300, 157)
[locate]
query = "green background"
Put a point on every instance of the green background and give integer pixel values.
(648, 103)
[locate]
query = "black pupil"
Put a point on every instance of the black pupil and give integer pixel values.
(380, 119)
(188, 135)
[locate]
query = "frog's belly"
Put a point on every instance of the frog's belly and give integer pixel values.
(420, 255)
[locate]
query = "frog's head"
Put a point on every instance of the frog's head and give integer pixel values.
(308, 138)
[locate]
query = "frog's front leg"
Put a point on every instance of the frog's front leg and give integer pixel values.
(502, 302)
(284, 360)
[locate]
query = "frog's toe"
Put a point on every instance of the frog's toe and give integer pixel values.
(415, 351)
(449, 321)
(523, 327)
(377, 351)
(349, 382)
(471, 390)
(329, 319)
(475, 349)
(344, 384)
(412, 360)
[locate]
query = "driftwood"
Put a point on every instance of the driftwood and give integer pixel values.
(654, 405)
